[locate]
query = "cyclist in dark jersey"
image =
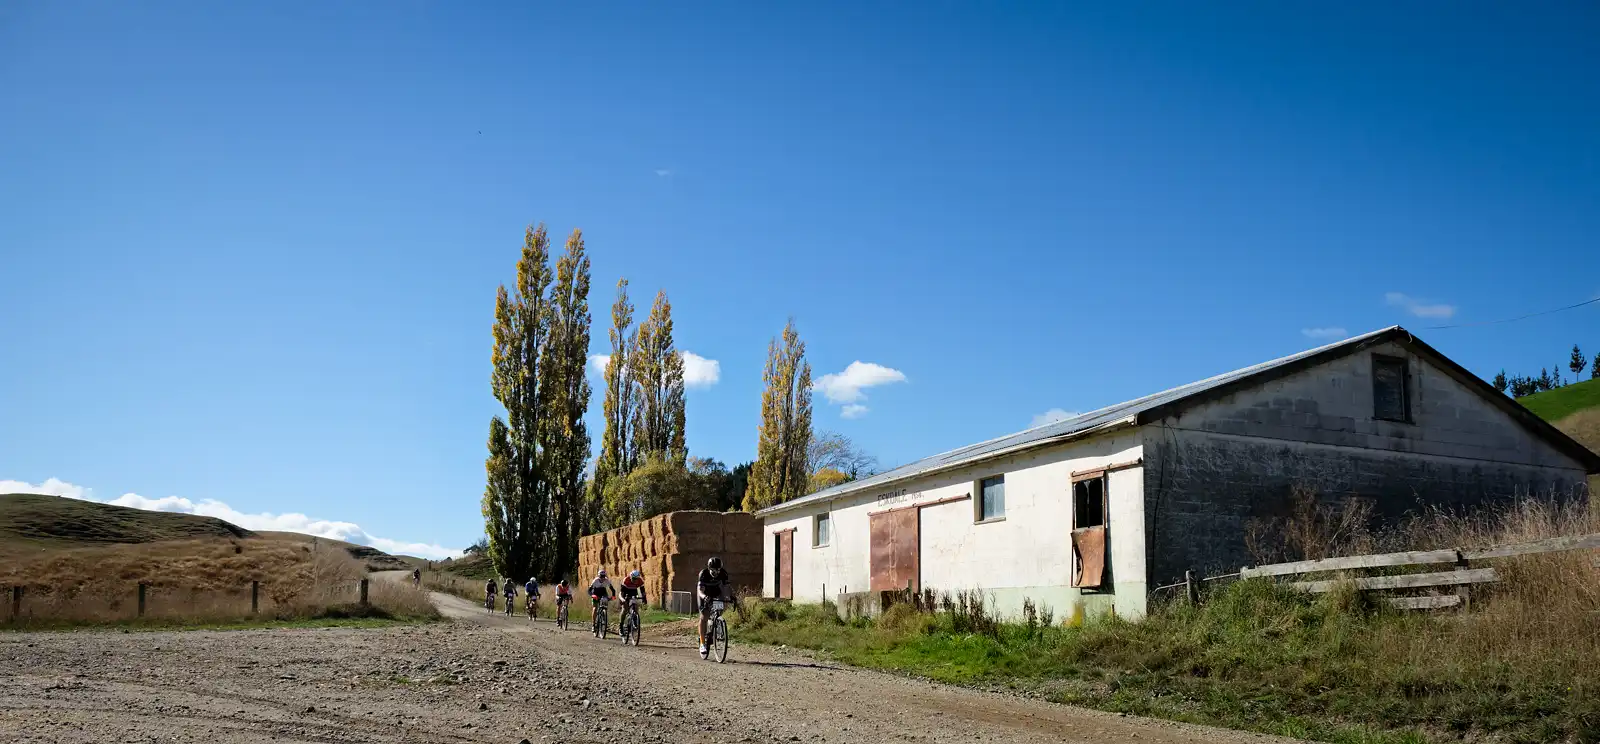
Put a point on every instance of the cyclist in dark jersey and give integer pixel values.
(712, 584)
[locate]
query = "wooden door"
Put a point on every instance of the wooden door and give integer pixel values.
(894, 559)
(784, 570)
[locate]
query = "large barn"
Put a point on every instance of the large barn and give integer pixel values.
(1088, 514)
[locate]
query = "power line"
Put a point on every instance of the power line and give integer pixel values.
(1512, 320)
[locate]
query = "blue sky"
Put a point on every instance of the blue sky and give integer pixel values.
(248, 253)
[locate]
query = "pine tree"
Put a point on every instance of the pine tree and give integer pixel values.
(1500, 382)
(565, 436)
(1544, 382)
(1578, 362)
(617, 457)
(516, 499)
(779, 473)
(1594, 369)
(657, 371)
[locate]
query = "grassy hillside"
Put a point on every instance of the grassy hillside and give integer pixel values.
(1555, 405)
(375, 559)
(30, 522)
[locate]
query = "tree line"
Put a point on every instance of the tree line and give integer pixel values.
(1549, 378)
(537, 497)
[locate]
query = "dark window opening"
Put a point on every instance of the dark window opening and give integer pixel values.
(1391, 394)
(992, 498)
(1089, 503)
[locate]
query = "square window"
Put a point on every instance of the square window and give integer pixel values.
(1391, 393)
(992, 498)
(823, 532)
(1089, 503)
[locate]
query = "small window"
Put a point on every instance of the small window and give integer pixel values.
(823, 532)
(1391, 394)
(992, 498)
(1089, 503)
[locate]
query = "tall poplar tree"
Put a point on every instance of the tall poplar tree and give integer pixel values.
(564, 435)
(780, 470)
(616, 441)
(516, 499)
(657, 372)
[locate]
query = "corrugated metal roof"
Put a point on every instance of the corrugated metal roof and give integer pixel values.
(1077, 426)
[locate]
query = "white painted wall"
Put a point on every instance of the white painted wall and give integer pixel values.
(1026, 554)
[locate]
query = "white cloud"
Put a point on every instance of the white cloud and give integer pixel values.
(663, 172)
(1051, 416)
(1419, 308)
(699, 371)
(853, 411)
(51, 487)
(1331, 333)
(346, 531)
(846, 386)
(597, 364)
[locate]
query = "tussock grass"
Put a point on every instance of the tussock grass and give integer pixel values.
(191, 582)
(1523, 665)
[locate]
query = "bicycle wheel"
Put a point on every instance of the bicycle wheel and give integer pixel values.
(633, 626)
(605, 625)
(719, 639)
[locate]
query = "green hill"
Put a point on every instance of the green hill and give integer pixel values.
(1555, 405)
(33, 521)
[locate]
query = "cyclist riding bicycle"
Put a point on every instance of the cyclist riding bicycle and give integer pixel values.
(563, 592)
(416, 577)
(712, 585)
(490, 589)
(531, 588)
(511, 594)
(601, 588)
(634, 584)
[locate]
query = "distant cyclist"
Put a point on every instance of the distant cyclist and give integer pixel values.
(563, 593)
(489, 591)
(531, 589)
(416, 577)
(511, 595)
(712, 585)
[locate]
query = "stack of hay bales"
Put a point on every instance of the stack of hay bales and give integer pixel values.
(670, 549)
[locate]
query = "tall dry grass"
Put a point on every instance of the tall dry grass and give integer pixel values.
(203, 580)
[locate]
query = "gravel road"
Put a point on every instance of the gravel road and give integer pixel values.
(488, 678)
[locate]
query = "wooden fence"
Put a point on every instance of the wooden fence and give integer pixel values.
(1451, 570)
(20, 607)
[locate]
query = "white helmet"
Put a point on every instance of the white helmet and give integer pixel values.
(602, 573)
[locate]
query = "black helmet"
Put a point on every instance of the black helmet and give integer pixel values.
(714, 564)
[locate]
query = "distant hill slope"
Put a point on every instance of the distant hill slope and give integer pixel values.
(32, 521)
(1555, 405)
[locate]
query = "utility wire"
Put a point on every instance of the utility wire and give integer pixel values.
(1512, 320)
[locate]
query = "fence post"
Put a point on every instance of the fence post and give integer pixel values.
(16, 602)
(363, 592)
(141, 599)
(824, 593)
(1192, 587)
(255, 597)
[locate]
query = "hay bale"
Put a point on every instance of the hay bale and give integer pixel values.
(694, 532)
(741, 533)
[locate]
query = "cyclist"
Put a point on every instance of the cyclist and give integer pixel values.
(563, 595)
(531, 590)
(490, 591)
(511, 596)
(601, 588)
(416, 577)
(712, 584)
(634, 585)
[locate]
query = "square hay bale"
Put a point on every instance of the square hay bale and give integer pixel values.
(694, 532)
(741, 533)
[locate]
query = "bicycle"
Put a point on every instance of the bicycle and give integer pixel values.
(628, 625)
(511, 604)
(600, 626)
(717, 628)
(533, 602)
(488, 603)
(561, 613)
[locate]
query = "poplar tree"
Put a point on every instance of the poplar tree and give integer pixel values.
(657, 372)
(617, 457)
(564, 435)
(516, 506)
(780, 472)
(1577, 363)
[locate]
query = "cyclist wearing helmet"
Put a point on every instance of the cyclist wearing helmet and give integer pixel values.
(490, 589)
(563, 592)
(601, 588)
(711, 585)
(632, 585)
(531, 589)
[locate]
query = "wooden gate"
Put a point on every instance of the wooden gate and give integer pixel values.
(783, 542)
(894, 549)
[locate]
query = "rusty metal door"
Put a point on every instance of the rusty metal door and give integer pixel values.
(894, 559)
(785, 568)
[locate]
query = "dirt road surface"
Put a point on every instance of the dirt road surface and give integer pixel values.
(488, 678)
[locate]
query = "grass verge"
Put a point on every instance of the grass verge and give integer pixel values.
(1520, 666)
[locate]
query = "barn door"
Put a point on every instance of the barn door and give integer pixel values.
(784, 570)
(894, 549)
